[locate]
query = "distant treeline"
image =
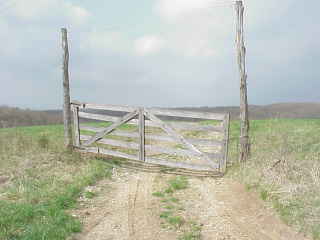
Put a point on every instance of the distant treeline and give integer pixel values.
(13, 117)
(277, 110)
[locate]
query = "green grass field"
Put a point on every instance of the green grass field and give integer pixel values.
(39, 181)
(43, 182)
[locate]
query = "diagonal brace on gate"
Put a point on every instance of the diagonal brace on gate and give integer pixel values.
(177, 136)
(109, 129)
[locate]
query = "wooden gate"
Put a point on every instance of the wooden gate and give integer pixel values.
(185, 140)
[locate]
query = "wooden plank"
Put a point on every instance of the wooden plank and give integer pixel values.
(160, 138)
(107, 118)
(141, 135)
(178, 137)
(76, 130)
(194, 127)
(171, 132)
(172, 170)
(152, 148)
(100, 129)
(186, 114)
(66, 90)
(108, 152)
(110, 107)
(163, 168)
(205, 142)
(155, 111)
(148, 160)
(181, 165)
(144, 166)
(109, 129)
(175, 171)
(176, 125)
(171, 151)
(76, 103)
(201, 142)
(112, 142)
(100, 117)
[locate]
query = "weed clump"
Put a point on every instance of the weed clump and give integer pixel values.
(43, 142)
(193, 234)
(172, 213)
(158, 194)
(176, 221)
(178, 183)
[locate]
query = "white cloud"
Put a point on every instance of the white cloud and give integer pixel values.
(195, 46)
(4, 27)
(174, 9)
(32, 8)
(104, 41)
(149, 44)
(49, 9)
(77, 14)
(194, 28)
(10, 45)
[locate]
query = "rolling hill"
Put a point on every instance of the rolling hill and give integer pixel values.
(12, 116)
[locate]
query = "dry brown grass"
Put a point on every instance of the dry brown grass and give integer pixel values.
(285, 169)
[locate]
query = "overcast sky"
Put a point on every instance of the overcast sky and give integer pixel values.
(158, 52)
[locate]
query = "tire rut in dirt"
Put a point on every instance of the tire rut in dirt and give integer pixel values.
(142, 220)
(128, 211)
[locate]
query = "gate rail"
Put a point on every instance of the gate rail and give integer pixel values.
(145, 118)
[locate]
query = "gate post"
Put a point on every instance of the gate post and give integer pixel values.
(66, 90)
(141, 135)
(76, 129)
(244, 120)
(225, 124)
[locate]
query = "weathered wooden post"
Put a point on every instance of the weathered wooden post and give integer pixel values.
(241, 56)
(66, 91)
(141, 135)
(76, 129)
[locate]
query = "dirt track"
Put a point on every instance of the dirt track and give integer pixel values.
(126, 210)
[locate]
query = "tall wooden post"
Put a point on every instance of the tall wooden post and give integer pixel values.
(244, 142)
(66, 90)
